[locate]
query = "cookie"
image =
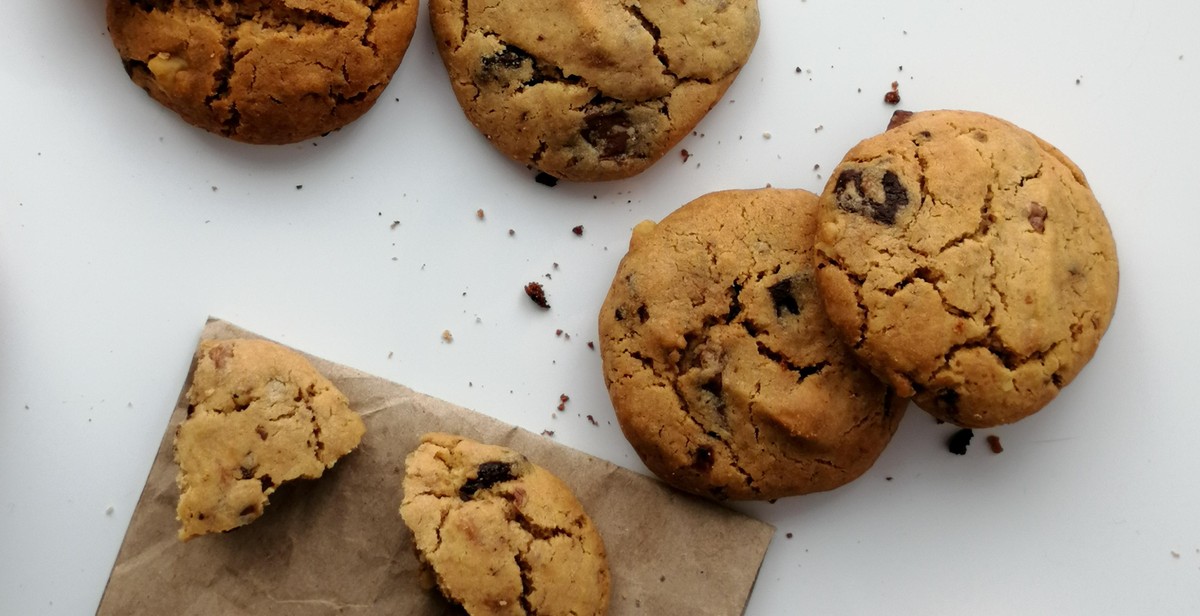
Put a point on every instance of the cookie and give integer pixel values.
(591, 89)
(258, 416)
(259, 71)
(722, 367)
(500, 534)
(967, 263)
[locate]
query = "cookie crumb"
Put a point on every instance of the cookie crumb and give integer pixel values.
(959, 441)
(562, 402)
(558, 332)
(109, 511)
(536, 293)
(577, 229)
(593, 420)
(479, 213)
(390, 354)
(549, 433)
(994, 442)
(887, 478)
(511, 233)
(1174, 554)
(893, 97)
(591, 345)
(766, 135)
(214, 188)
(685, 155)
(789, 535)
(819, 128)
(545, 179)
(299, 186)
(447, 336)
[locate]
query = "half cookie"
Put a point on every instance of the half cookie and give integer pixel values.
(591, 89)
(967, 263)
(500, 534)
(258, 415)
(723, 369)
(263, 72)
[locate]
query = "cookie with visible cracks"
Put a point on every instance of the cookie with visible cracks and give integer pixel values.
(499, 534)
(967, 263)
(722, 367)
(259, 415)
(591, 89)
(263, 71)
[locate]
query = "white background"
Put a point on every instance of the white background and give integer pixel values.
(114, 247)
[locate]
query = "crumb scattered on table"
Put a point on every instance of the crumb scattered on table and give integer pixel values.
(993, 441)
(959, 441)
(447, 336)
(479, 213)
(536, 293)
(546, 179)
(577, 229)
(893, 97)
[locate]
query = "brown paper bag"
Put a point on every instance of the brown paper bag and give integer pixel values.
(337, 545)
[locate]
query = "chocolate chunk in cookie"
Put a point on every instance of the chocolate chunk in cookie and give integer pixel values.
(595, 89)
(722, 367)
(967, 263)
(499, 534)
(259, 415)
(263, 72)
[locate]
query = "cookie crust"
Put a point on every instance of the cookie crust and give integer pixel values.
(500, 534)
(721, 365)
(591, 89)
(263, 71)
(259, 415)
(968, 263)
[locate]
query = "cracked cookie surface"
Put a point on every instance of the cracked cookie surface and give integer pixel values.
(591, 89)
(500, 534)
(968, 263)
(263, 71)
(258, 415)
(722, 367)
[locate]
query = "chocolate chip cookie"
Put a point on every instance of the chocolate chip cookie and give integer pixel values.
(500, 534)
(591, 89)
(263, 71)
(967, 263)
(258, 415)
(724, 371)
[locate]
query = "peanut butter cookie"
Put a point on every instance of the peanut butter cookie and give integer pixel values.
(723, 369)
(263, 71)
(500, 534)
(967, 263)
(258, 415)
(591, 89)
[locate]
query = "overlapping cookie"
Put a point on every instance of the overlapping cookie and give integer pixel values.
(500, 534)
(967, 263)
(591, 89)
(263, 71)
(724, 371)
(259, 416)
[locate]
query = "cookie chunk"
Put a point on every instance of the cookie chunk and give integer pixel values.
(263, 71)
(967, 263)
(258, 415)
(500, 534)
(591, 89)
(722, 367)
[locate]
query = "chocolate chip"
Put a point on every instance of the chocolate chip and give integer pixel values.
(781, 296)
(994, 443)
(851, 196)
(899, 117)
(714, 385)
(247, 473)
(1037, 216)
(545, 179)
(702, 458)
(511, 58)
(893, 97)
(608, 133)
(266, 482)
(536, 293)
(487, 475)
(643, 314)
(947, 400)
(959, 440)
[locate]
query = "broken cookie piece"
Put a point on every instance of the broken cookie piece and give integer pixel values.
(259, 415)
(499, 534)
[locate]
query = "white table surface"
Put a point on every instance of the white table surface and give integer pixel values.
(115, 246)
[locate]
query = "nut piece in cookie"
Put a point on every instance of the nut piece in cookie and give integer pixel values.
(263, 72)
(967, 263)
(591, 89)
(499, 534)
(259, 415)
(722, 367)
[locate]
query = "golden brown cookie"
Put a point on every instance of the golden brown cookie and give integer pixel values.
(258, 415)
(723, 369)
(263, 71)
(968, 263)
(500, 534)
(591, 89)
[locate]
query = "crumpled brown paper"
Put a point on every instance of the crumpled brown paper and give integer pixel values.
(337, 545)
